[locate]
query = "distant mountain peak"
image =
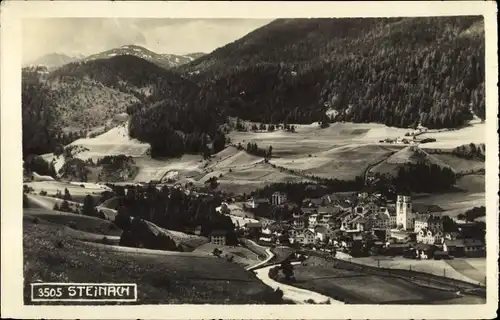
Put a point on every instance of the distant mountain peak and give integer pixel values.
(165, 60)
(54, 60)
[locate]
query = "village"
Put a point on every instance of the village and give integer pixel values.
(362, 225)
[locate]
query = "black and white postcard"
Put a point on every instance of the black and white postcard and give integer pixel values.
(263, 160)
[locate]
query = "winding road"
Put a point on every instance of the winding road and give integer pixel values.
(297, 295)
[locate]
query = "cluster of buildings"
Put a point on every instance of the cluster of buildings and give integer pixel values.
(365, 220)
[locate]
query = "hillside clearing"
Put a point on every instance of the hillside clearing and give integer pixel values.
(460, 165)
(75, 221)
(241, 255)
(43, 202)
(74, 188)
(409, 155)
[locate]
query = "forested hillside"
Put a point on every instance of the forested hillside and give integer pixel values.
(129, 74)
(173, 128)
(398, 71)
(40, 124)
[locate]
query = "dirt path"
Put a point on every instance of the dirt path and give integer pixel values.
(367, 170)
(297, 295)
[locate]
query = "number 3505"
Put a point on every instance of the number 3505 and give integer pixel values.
(50, 292)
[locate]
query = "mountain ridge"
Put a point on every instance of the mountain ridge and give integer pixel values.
(397, 71)
(165, 60)
(53, 60)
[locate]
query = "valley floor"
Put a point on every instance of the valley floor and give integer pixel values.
(342, 151)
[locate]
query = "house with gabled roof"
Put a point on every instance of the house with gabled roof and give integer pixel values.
(431, 236)
(392, 216)
(332, 199)
(464, 247)
(376, 220)
(329, 210)
(427, 221)
(304, 237)
(353, 223)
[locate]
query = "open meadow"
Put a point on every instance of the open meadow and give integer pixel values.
(240, 255)
(341, 151)
(435, 267)
(358, 287)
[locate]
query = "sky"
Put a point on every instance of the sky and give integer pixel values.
(85, 36)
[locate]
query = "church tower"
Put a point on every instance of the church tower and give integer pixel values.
(404, 214)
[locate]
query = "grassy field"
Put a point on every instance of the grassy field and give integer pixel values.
(475, 133)
(361, 288)
(341, 151)
(74, 188)
(241, 255)
(73, 232)
(456, 202)
(460, 165)
(470, 193)
(75, 221)
(188, 242)
(407, 155)
(435, 267)
(344, 162)
(54, 256)
(44, 202)
(474, 269)
(281, 253)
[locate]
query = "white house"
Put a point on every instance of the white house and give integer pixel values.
(427, 221)
(430, 236)
(266, 231)
(305, 237)
(313, 220)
